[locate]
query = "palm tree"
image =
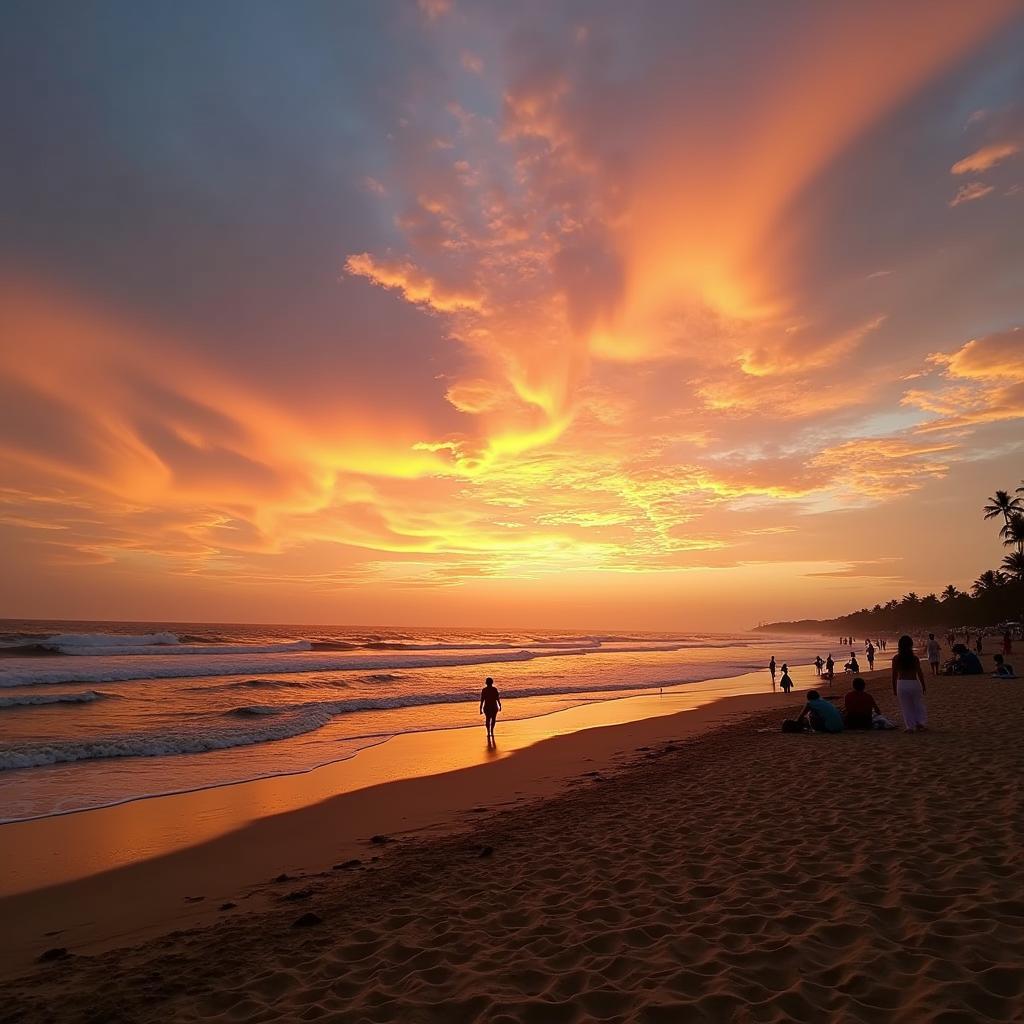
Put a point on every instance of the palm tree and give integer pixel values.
(1001, 504)
(950, 593)
(990, 579)
(1013, 532)
(1014, 565)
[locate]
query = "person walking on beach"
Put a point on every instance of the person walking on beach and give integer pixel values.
(818, 664)
(1007, 644)
(908, 686)
(871, 656)
(490, 705)
(771, 668)
(830, 666)
(932, 649)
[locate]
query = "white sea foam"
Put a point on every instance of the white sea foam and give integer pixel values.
(32, 700)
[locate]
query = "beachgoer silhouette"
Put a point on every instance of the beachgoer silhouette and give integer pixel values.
(490, 705)
(908, 686)
(933, 650)
(785, 682)
(830, 668)
(822, 715)
(818, 664)
(859, 707)
(871, 656)
(771, 668)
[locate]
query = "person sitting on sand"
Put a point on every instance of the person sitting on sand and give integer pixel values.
(1004, 670)
(965, 662)
(852, 665)
(785, 682)
(822, 714)
(490, 705)
(908, 686)
(859, 706)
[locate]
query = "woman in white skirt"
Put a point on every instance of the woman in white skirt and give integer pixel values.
(908, 686)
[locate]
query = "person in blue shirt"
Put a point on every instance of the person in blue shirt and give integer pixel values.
(823, 715)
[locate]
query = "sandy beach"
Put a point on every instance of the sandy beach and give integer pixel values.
(735, 874)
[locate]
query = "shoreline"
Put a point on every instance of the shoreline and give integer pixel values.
(584, 698)
(242, 834)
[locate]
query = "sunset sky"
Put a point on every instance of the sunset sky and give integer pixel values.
(665, 315)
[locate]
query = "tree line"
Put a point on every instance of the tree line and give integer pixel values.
(996, 596)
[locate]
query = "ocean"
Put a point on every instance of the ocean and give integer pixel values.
(97, 713)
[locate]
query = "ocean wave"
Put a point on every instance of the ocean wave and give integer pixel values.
(28, 672)
(183, 650)
(38, 699)
(35, 755)
(110, 640)
(269, 722)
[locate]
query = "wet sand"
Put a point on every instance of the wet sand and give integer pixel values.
(732, 875)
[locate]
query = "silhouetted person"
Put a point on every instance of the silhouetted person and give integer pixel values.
(785, 682)
(1004, 670)
(965, 661)
(908, 686)
(823, 716)
(932, 649)
(859, 707)
(490, 705)
(818, 664)
(830, 669)
(871, 656)
(771, 668)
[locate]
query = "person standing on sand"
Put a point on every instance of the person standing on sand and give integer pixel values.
(871, 656)
(785, 682)
(818, 664)
(771, 668)
(908, 686)
(933, 650)
(830, 666)
(490, 705)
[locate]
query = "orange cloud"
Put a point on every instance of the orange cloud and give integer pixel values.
(984, 383)
(985, 158)
(414, 284)
(971, 191)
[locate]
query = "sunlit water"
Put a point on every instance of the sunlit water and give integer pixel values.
(194, 706)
